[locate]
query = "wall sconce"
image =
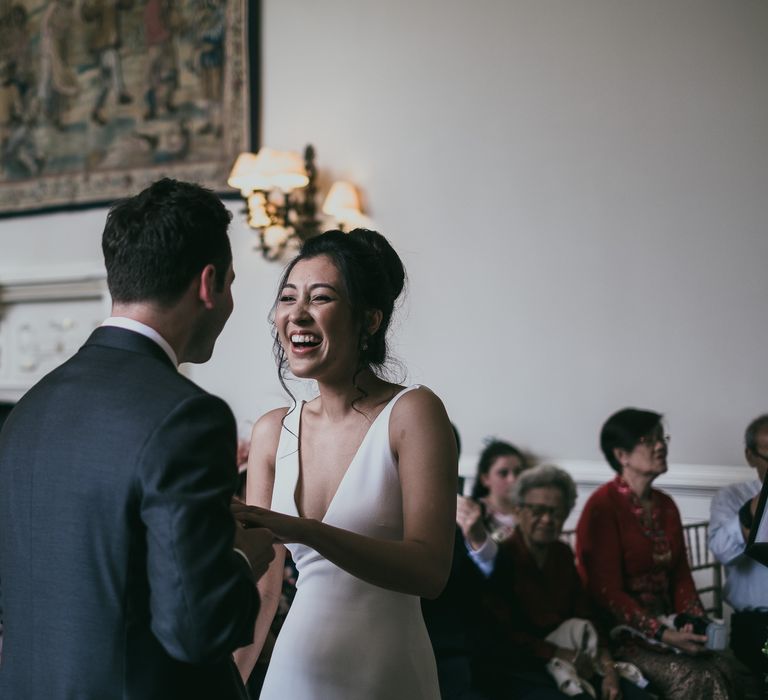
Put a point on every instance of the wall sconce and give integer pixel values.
(280, 191)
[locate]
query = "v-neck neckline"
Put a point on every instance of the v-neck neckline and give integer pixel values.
(349, 466)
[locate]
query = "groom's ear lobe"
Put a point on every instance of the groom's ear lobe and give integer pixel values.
(207, 286)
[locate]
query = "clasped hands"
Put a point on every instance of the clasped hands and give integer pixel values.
(685, 639)
(283, 528)
(259, 530)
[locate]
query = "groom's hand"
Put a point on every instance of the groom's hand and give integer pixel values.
(256, 543)
(285, 528)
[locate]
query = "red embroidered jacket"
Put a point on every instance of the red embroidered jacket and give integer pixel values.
(634, 564)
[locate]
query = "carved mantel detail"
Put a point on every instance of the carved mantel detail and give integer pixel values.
(43, 321)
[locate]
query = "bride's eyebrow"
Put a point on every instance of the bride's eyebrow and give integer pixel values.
(318, 285)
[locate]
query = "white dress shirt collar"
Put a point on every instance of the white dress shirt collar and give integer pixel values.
(145, 330)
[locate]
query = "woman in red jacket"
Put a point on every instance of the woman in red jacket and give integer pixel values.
(631, 555)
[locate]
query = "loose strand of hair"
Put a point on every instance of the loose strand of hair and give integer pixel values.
(363, 394)
(280, 357)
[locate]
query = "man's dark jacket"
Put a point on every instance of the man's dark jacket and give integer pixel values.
(118, 577)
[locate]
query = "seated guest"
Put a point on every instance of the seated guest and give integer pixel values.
(450, 619)
(534, 589)
(488, 516)
(631, 554)
(746, 585)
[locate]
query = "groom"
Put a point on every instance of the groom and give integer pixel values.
(122, 573)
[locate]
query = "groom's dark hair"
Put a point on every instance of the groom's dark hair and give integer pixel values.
(156, 242)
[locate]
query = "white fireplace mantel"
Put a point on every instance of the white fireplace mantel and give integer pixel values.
(45, 315)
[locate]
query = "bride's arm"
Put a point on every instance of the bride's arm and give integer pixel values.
(423, 442)
(259, 485)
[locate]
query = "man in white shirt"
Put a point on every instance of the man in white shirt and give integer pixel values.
(746, 588)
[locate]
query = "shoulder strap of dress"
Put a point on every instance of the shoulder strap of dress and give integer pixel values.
(397, 397)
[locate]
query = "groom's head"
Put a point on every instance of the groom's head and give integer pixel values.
(158, 241)
(167, 249)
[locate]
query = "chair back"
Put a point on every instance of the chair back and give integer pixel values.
(707, 571)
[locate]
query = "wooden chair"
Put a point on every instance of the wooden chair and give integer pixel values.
(707, 571)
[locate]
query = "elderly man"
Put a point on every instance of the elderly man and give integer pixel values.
(746, 587)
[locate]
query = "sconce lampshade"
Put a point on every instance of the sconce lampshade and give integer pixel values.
(268, 169)
(343, 203)
(282, 170)
(284, 219)
(242, 175)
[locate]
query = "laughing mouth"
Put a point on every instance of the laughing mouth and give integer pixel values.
(305, 340)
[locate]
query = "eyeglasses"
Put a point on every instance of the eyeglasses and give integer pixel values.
(759, 454)
(538, 510)
(654, 438)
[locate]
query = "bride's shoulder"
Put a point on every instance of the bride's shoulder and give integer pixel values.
(420, 434)
(265, 439)
(419, 403)
(266, 430)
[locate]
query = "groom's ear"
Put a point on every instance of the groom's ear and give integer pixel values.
(206, 281)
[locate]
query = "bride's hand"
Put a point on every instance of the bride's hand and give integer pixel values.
(285, 528)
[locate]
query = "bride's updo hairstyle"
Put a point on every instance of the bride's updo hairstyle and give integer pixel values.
(373, 276)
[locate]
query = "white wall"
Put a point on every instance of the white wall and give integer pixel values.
(578, 190)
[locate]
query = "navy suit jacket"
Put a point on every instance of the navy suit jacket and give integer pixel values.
(117, 574)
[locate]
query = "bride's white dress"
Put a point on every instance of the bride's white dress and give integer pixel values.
(345, 639)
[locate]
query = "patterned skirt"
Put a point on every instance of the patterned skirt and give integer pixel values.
(713, 675)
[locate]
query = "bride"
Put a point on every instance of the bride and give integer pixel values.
(357, 483)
